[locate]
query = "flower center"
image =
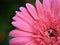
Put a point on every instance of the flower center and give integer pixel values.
(51, 33)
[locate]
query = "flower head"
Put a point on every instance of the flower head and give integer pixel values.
(39, 25)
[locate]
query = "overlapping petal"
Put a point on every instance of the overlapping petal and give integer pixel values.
(38, 25)
(20, 40)
(20, 33)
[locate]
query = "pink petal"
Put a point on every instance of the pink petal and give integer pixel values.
(18, 33)
(39, 8)
(55, 6)
(32, 10)
(31, 43)
(46, 5)
(21, 15)
(22, 25)
(20, 40)
(25, 12)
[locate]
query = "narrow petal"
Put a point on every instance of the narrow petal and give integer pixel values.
(19, 33)
(20, 40)
(21, 15)
(25, 12)
(22, 25)
(32, 10)
(31, 43)
(39, 8)
(46, 5)
(55, 6)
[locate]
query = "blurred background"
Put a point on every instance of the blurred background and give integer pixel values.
(7, 11)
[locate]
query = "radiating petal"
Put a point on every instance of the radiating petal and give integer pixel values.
(25, 12)
(22, 25)
(39, 8)
(46, 5)
(20, 40)
(55, 6)
(32, 10)
(31, 43)
(19, 33)
(20, 15)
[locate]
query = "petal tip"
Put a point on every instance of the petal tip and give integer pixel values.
(37, 1)
(21, 8)
(27, 4)
(13, 23)
(10, 33)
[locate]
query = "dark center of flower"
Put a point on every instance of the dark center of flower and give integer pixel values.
(51, 34)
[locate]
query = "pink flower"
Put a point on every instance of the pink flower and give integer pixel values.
(39, 25)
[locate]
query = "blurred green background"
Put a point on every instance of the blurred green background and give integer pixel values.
(7, 11)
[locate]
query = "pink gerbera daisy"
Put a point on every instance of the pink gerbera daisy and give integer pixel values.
(39, 25)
